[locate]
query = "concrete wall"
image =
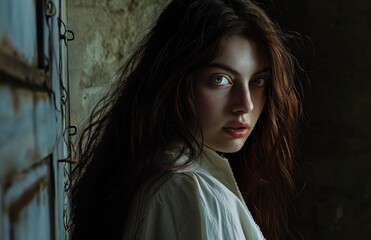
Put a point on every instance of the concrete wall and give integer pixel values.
(105, 32)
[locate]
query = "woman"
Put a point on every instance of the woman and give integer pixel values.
(211, 81)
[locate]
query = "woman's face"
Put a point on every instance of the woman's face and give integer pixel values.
(231, 93)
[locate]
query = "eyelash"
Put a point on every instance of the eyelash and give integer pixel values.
(263, 82)
(261, 85)
(227, 78)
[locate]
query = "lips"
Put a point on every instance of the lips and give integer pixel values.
(237, 129)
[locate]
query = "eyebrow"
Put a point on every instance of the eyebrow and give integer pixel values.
(230, 69)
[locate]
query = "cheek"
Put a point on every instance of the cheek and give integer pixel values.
(204, 104)
(259, 98)
(259, 103)
(210, 106)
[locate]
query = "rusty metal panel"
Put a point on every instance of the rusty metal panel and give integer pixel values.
(27, 204)
(18, 29)
(34, 120)
(25, 39)
(27, 128)
(16, 108)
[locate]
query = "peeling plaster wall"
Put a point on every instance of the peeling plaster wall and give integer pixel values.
(106, 32)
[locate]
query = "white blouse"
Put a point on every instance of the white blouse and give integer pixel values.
(202, 202)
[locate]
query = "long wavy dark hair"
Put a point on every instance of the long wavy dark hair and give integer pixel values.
(152, 105)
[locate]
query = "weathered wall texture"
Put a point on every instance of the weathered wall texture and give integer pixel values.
(106, 31)
(336, 156)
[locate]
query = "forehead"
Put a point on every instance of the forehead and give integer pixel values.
(242, 53)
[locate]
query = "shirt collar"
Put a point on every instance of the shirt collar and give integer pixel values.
(218, 166)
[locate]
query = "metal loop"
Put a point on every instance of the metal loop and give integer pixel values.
(72, 133)
(50, 9)
(65, 31)
(72, 35)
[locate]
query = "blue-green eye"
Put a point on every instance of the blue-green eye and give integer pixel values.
(258, 82)
(220, 80)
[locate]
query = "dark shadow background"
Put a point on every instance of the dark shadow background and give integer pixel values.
(335, 160)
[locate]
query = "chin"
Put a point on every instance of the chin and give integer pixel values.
(229, 148)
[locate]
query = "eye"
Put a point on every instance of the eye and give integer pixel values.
(259, 82)
(221, 80)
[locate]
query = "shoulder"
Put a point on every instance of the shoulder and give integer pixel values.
(180, 187)
(189, 184)
(176, 199)
(165, 207)
(177, 188)
(187, 205)
(189, 195)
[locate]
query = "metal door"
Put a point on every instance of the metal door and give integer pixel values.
(34, 120)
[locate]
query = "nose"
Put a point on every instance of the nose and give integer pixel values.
(242, 100)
